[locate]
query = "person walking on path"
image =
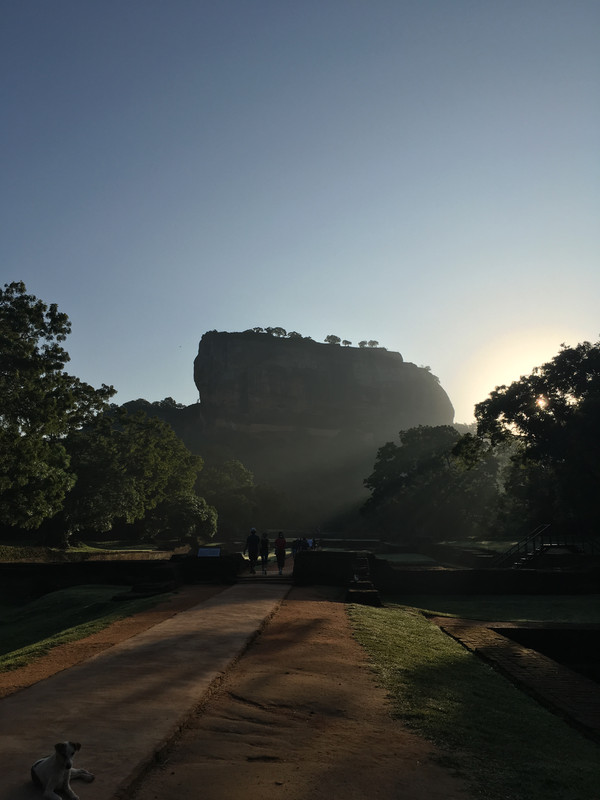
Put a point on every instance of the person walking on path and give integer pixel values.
(264, 552)
(252, 546)
(280, 545)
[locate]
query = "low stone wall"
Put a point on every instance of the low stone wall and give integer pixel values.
(333, 568)
(74, 556)
(328, 567)
(23, 580)
(336, 568)
(395, 580)
(220, 569)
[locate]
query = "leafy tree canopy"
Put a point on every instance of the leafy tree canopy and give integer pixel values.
(422, 450)
(229, 487)
(424, 488)
(554, 415)
(538, 407)
(186, 517)
(126, 465)
(39, 405)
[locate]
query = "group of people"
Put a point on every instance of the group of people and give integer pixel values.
(303, 544)
(259, 547)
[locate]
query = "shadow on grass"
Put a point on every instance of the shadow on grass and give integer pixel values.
(64, 615)
(508, 745)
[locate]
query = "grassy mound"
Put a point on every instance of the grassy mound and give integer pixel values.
(31, 630)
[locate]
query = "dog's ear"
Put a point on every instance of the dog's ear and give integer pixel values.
(76, 745)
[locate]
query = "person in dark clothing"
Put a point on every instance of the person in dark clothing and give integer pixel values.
(280, 545)
(264, 552)
(252, 547)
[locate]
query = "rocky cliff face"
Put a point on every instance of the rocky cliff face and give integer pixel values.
(307, 418)
(251, 380)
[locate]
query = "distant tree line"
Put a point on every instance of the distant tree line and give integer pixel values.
(532, 459)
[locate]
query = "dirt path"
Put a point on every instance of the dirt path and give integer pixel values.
(300, 716)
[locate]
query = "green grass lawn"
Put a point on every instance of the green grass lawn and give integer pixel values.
(29, 631)
(18, 552)
(503, 742)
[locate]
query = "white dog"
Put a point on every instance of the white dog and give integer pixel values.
(56, 771)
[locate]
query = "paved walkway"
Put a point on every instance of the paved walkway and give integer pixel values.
(124, 704)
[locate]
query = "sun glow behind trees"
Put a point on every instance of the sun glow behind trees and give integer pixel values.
(504, 359)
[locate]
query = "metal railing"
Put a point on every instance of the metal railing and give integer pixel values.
(542, 539)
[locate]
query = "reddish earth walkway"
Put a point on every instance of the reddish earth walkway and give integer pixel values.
(126, 702)
(300, 716)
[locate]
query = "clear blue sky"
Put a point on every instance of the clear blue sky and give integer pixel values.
(424, 173)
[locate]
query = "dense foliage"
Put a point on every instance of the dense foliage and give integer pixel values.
(241, 502)
(533, 461)
(428, 486)
(126, 465)
(68, 461)
(40, 404)
(551, 420)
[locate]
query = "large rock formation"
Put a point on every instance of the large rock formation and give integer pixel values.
(308, 417)
(255, 381)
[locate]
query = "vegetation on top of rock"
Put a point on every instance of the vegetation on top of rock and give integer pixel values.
(281, 333)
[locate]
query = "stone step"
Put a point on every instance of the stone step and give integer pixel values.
(365, 597)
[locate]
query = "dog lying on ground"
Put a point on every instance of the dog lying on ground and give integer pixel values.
(56, 771)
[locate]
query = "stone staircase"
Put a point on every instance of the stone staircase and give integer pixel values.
(361, 589)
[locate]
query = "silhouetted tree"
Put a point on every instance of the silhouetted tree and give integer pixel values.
(424, 489)
(39, 405)
(229, 487)
(239, 501)
(294, 335)
(279, 332)
(126, 465)
(362, 343)
(186, 518)
(373, 343)
(552, 420)
(332, 339)
(346, 343)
